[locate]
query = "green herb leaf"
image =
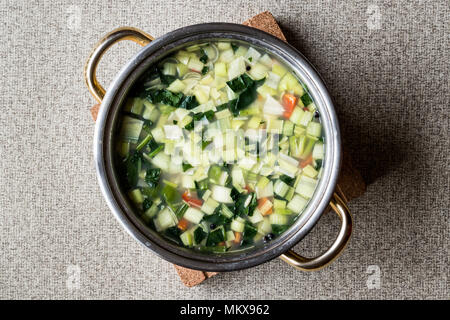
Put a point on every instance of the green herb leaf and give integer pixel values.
(204, 57)
(306, 99)
(199, 235)
(188, 102)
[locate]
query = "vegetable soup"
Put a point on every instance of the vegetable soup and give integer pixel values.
(219, 147)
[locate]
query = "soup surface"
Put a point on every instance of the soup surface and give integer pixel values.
(219, 147)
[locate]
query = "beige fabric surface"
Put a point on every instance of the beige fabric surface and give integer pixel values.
(386, 66)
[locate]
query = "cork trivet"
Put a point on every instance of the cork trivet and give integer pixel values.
(350, 181)
(266, 22)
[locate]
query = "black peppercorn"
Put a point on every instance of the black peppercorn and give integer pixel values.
(212, 226)
(248, 68)
(268, 237)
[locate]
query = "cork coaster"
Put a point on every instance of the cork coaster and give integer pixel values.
(350, 182)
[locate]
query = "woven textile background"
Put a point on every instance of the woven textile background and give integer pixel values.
(387, 67)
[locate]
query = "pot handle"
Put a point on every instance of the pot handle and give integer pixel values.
(119, 34)
(312, 264)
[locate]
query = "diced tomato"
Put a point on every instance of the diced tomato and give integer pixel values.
(289, 103)
(183, 224)
(307, 161)
(193, 202)
(221, 243)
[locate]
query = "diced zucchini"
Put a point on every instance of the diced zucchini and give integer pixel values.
(221, 194)
(318, 151)
(182, 69)
(279, 204)
(220, 69)
(237, 176)
(195, 64)
(237, 225)
(241, 51)
(266, 60)
(297, 204)
(252, 56)
(161, 160)
(279, 70)
(276, 218)
(226, 56)
(299, 131)
(265, 227)
(131, 129)
(262, 183)
(193, 215)
(136, 196)
(258, 71)
(123, 148)
(297, 115)
(310, 171)
(288, 128)
(290, 194)
(188, 182)
(176, 86)
(280, 188)
(150, 213)
(226, 211)
(187, 238)
(209, 206)
(169, 69)
(165, 219)
(306, 187)
(223, 45)
(314, 129)
(265, 192)
(183, 56)
(230, 235)
(236, 68)
(150, 111)
(306, 118)
(265, 90)
(284, 211)
(201, 93)
(256, 217)
(275, 126)
(158, 134)
(206, 195)
(254, 122)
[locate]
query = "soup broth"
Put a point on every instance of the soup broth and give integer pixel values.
(219, 147)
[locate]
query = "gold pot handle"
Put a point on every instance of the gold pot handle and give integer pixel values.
(125, 33)
(311, 264)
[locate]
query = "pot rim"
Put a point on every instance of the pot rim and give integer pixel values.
(107, 118)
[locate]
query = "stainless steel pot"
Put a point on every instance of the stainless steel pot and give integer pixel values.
(152, 51)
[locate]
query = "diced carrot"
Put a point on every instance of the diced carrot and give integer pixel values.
(268, 212)
(247, 187)
(265, 206)
(193, 202)
(221, 243)
(183, 224)
(307, 161)
(237, 237)
(289, 103)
